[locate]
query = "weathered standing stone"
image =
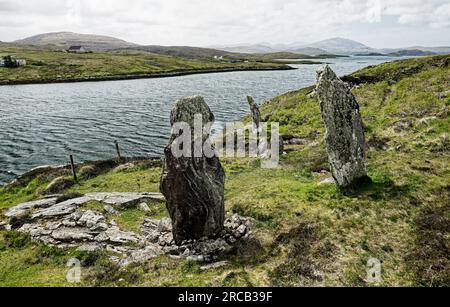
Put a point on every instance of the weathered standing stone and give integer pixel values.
(256, 114)
(256, 118)
(193, 186)
(345, 133)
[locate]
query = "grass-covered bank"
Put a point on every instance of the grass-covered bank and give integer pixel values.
(311, 234)
(46, 65)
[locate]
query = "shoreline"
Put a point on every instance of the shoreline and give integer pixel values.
(45, 169)
(141, 76)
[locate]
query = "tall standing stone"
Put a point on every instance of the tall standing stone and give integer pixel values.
(256, 118)
(256, 114)
(345, 132)
(193, 186)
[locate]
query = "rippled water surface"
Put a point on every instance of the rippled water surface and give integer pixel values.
(44, 124)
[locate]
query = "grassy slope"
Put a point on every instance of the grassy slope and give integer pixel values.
(48, 65)
(312, 234)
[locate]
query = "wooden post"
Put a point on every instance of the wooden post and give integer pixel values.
(74, 171)
(118, 151)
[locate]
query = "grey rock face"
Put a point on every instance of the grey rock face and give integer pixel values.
(115, 235)
(71, 234)
(110, 209)
(345, 133)
(193, 187)
(154, 230)
(144, 207)
(93, 220)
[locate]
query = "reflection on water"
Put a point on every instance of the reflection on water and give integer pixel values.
(43, 124)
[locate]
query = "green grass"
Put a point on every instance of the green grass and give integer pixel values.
(310, 232)
(53, 65)
(23, 263)
(10, 196)
(143, 180)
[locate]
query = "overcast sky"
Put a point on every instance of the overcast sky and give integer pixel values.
(377, 23)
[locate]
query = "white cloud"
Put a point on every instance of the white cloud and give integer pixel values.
(204, 22)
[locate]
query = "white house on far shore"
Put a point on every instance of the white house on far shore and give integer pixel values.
(19, 62)
(76, 49)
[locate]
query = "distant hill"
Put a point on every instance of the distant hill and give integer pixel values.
(333, 46)
(67, 39)
(311, 51)
(431, 50)
(412, 52)
(437, 50)
(209, 53)
(341, 46)
(264, 49)
(330, 46)
(258, 48)
(185, 51)
(371, 54)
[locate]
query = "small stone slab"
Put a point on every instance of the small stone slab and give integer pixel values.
(327, 181)
(71, 234)
(115, 235)
(35, 231)
(61, 209)
(142, 255)
(124, 200)
(215, 265)
(50, 209)
(32, 205)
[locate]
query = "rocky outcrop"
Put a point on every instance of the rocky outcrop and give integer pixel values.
(193, 186)
(69, 225)
(345, 133)
(25, 207)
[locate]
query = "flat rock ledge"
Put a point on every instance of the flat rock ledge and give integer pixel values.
(68, 225)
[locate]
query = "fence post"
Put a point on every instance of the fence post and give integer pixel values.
(74, 171)
(118, 150)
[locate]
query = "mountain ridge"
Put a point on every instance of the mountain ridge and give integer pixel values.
(341, 46)
(336, 45)
(90, 42)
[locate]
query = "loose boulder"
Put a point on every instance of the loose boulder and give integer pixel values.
(345, 134)
(193, 186)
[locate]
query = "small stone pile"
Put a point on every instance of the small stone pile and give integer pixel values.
(203, 250)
